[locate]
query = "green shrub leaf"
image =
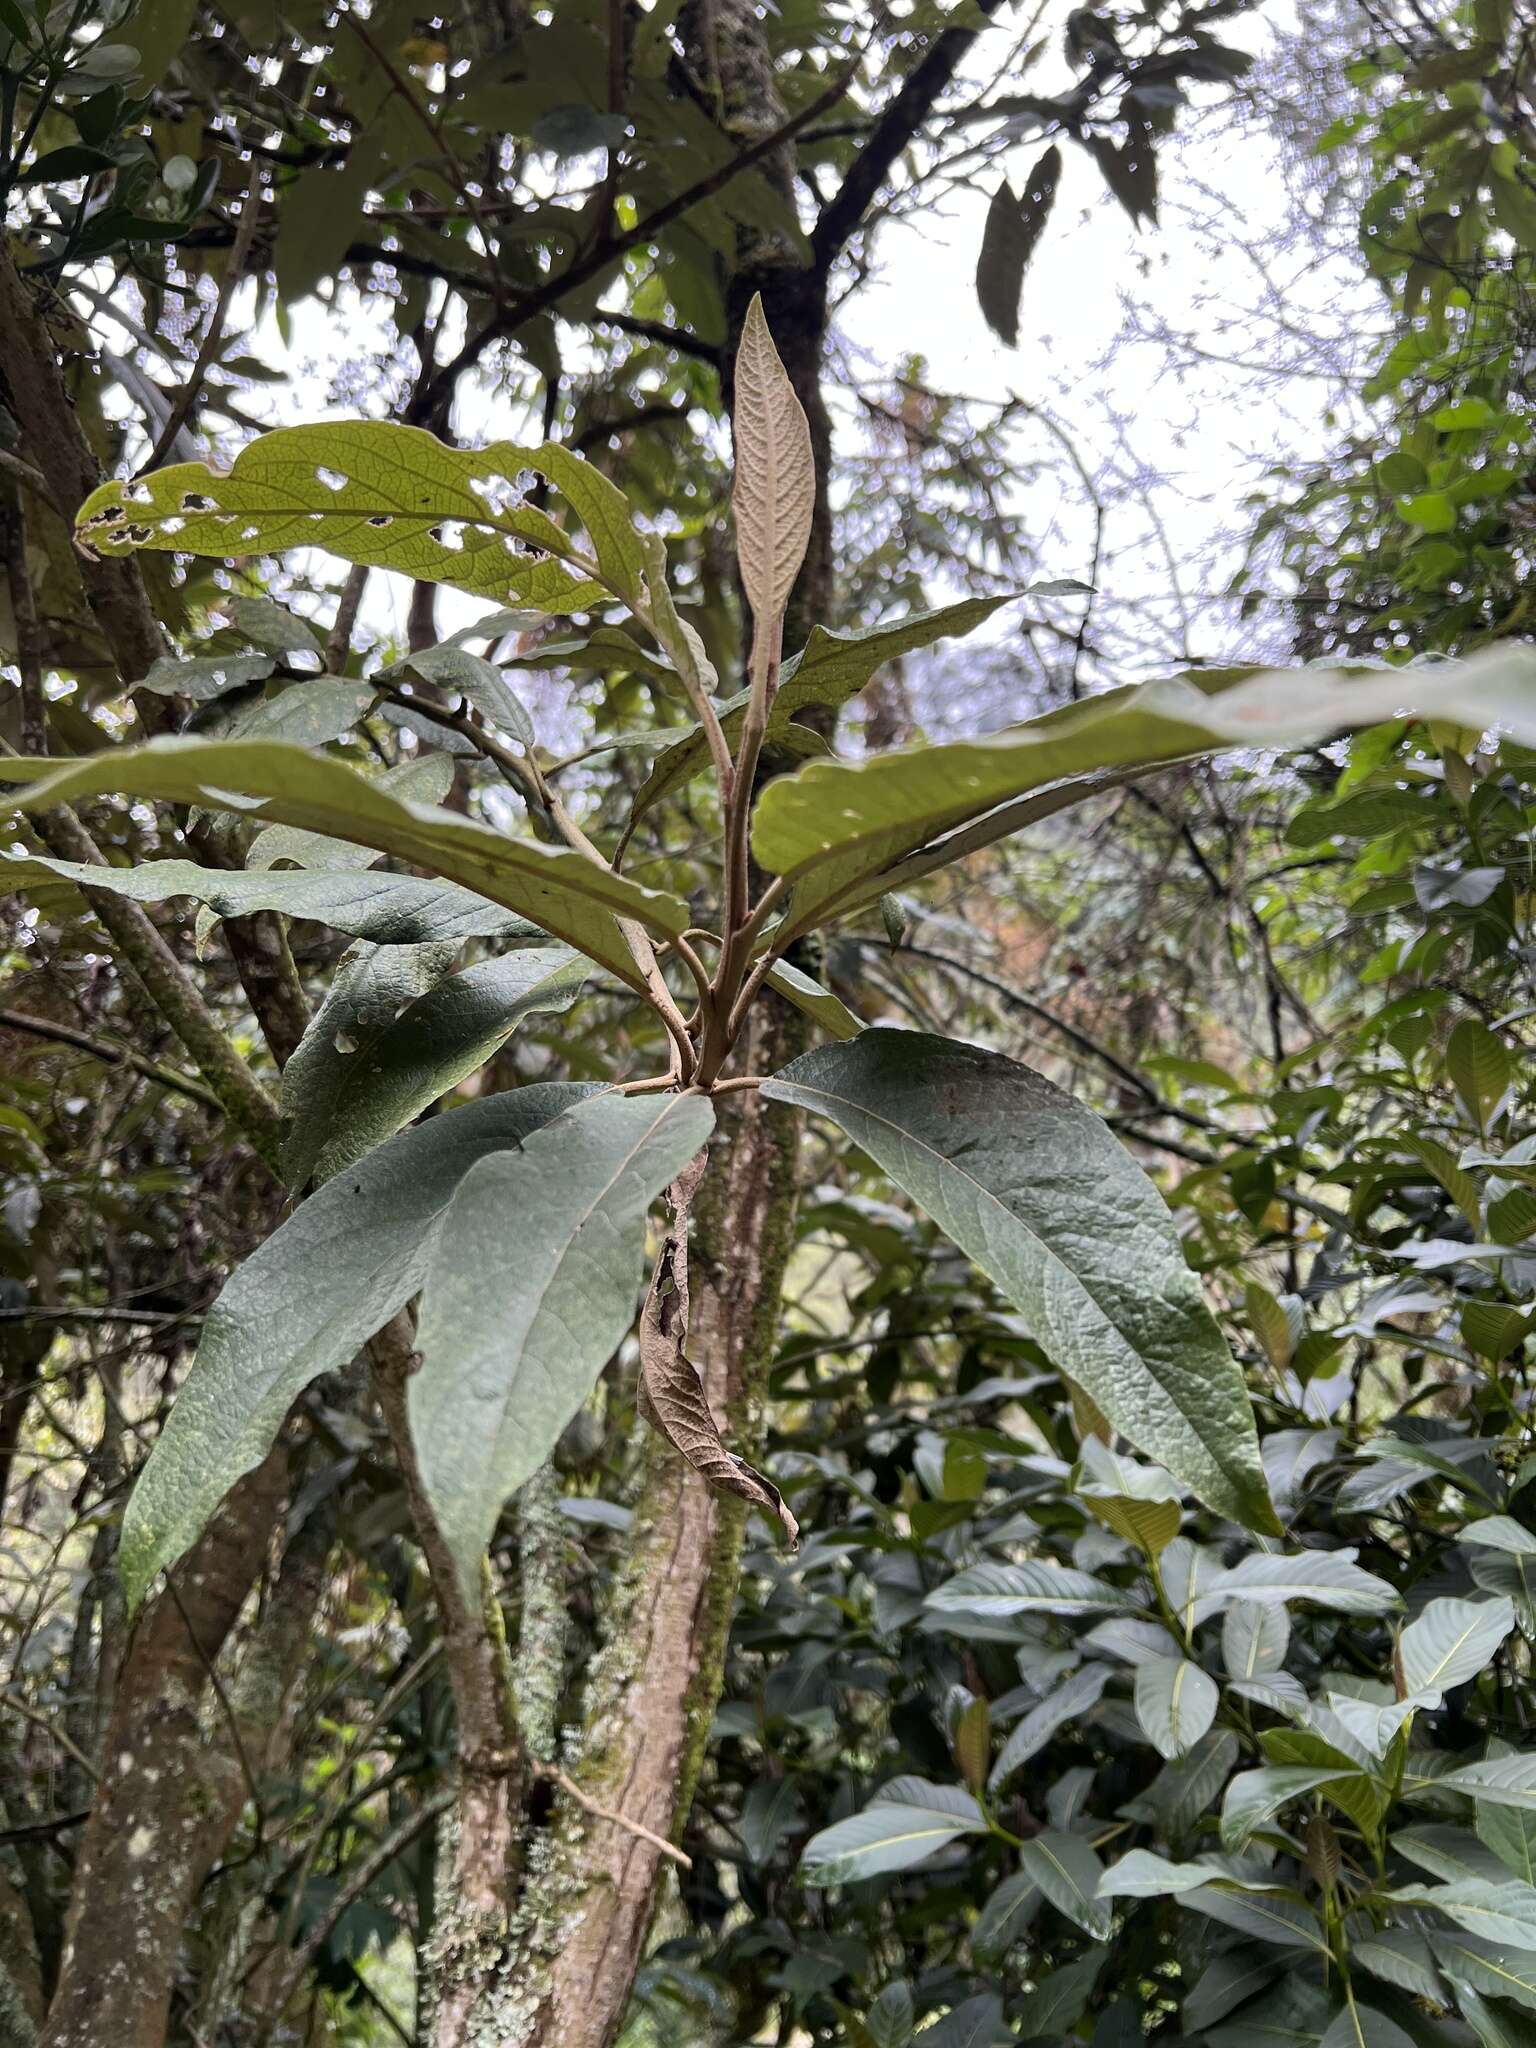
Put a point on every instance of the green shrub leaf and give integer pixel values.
(1042, 1196)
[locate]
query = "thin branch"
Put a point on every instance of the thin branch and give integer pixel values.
(634, 1827)
(110, 1055)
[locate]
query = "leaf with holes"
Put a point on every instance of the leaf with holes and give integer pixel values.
(391, 497)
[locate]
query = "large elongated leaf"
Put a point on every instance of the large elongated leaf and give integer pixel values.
(319, 1287)
(389, 910)
(1501, 1972)
(1069, 1873)
(827, 673)
(839, 827)
(1037, 1587)
(1072, 1698)
(563, 893)
(1326, 1578)
(1452, 1641)
(531, 1286)
(348, 1093)
(1175, 1703)
(1254, 1639)
(1037, 1190)
(910, 1820)
(1502, 1781)
(391, 496)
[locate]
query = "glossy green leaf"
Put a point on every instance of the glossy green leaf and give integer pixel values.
(1254, 1797)
(1042, 1196)
(1068, 1873)
(1323, 1578)
(1037, 1587)
(840, 828)
(366, 1068)
(1254, 1638)
(1452, 1641)
(1504, 1913)
(1362, 2026)
(815, 1001)
(1498, 1972)
(1502, 1781)
(1175, 1703)
(1284, 1923)
(908, 1821)
(562, 892)
(304, 1304)
(1479, 1068)
(1064, 1704)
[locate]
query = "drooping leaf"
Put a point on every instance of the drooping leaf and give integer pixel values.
(530, 1287)
(1362, 2026)
(1014, 226)
(770, 1810)
(1065, 1703)
(565, 894)
(1451, 1641)
(1041, 1195)
(1285, 1923)
(842, 829)
(347, 1097)
(1068, 1873)
(908, 1821)
(321, 1285)
(774, 495)
(1006, 1917)
(814, 1001)
(670, 1391)
(1175, 1703)
(1499, 1972)
(1478, 1065)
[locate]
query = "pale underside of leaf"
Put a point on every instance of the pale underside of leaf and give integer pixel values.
(562, 892)
(775, 490)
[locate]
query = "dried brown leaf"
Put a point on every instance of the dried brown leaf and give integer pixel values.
(775, 490)
(671, 1394)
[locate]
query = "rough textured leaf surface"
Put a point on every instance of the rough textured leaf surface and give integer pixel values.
(1037, 1190)
(304, 1304)
(530, 1289)
(775, 490)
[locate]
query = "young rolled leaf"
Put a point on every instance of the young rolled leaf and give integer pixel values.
(303, 1305)
(387, 910)
(392, 497)
(530, 1289)
(775, 491)
(1042, 1196)
(841, 829)
(565, 894)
